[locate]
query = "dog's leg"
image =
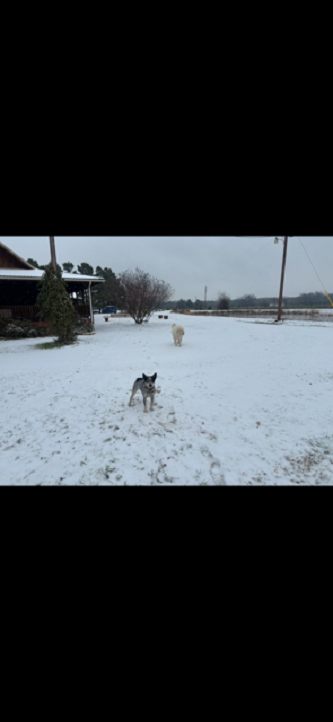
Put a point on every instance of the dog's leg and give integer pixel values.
(144, 399)
(132, 396)
(152, 399)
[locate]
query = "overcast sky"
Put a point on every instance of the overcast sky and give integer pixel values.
(235, 266)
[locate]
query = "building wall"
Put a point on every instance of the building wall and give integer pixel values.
(7, 260)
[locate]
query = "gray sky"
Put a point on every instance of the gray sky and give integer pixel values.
(235, 266)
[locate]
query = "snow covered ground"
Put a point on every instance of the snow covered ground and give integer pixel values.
(241, 402)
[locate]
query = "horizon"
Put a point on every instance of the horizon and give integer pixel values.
(235, 266)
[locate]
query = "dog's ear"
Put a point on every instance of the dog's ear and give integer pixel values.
(144, 377)
(154, 377)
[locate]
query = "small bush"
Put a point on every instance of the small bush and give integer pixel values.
(83, 325)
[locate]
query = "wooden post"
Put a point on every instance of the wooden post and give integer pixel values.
(92, 318)
(283, 268)
(53, 254)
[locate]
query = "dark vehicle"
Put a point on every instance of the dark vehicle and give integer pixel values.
(109, 309)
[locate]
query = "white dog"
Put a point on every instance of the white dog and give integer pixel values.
(178, 333)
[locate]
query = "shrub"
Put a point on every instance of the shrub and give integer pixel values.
(56, 306)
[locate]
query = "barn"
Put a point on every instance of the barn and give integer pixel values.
(19, 287)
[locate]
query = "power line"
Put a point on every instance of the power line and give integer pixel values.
(316, 272)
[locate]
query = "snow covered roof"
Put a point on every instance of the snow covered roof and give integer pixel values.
(35, 274)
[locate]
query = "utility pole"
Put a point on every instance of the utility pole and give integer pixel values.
(53, 254)
(283, 268)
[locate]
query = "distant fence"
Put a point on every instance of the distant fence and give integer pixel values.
(272, 312)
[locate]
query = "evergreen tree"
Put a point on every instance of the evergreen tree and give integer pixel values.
(110, 293)
(47, 265)
(85, 269)
(32, 262)
(68, 267)
(56, 306)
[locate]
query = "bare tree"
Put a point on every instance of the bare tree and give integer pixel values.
(223, 302)
(143, 294)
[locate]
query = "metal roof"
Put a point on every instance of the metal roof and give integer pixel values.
(17, 274)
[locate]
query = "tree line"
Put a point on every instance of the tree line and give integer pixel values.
(223, 302)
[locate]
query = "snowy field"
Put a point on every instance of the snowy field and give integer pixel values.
(241, 402)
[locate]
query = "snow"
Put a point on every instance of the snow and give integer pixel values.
(241, 402)
(37, 275)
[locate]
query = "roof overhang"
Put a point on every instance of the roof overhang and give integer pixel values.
(9, 274)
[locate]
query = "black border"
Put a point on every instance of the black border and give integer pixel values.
(198, 526)
(220, 197)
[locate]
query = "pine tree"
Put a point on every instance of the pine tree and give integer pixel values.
(56, 306)
(68, 267)
(33, 262)
(110, 293)
(85, 269)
